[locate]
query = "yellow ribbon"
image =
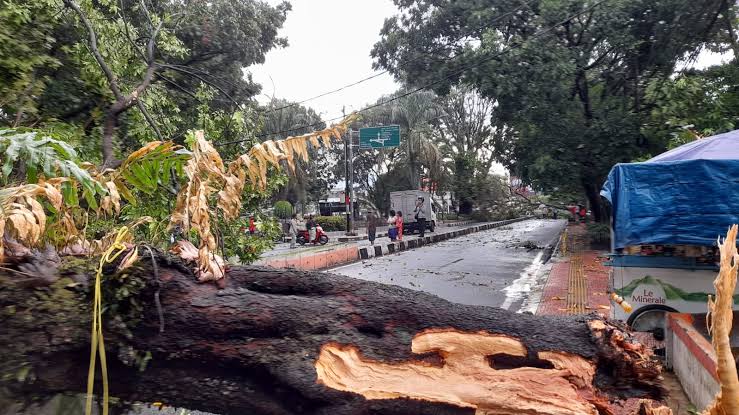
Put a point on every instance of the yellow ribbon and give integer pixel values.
(97, 342)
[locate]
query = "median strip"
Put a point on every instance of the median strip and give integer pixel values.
(350, 254)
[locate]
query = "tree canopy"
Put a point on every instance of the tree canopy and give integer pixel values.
(80, 66)
(570, 77)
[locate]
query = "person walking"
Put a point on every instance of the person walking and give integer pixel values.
(293, 230)
(573, 211)
(392, 231)
(371, 227)
(420, 215)
(399, 224)
(311, 227)
(583, 212)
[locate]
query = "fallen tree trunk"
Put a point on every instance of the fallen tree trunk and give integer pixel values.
(288, 342)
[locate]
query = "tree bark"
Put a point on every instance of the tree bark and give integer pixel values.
(289, 342)
(592, 192)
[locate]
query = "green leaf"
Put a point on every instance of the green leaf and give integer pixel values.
(32, 174)
(7, 168)
(128, 175)
(144, 178)
(90, 198)
(69, 194)
(126, 193)
(166, 173)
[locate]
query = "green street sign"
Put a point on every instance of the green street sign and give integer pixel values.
(379, 137)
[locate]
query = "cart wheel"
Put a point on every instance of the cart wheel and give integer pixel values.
(651, 318)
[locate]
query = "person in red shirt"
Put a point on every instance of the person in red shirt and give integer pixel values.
(399, 224)
(252, 226)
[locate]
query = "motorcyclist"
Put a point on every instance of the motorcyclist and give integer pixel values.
(310, 226)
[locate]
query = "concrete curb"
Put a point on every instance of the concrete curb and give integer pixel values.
(367, 252)
(348, 255)
(459, 223)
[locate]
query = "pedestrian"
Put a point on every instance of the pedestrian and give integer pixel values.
(399, 224)
(252, 226)
(311, 227)
(573, 211)
(392, 231)
(292, 230)
(420, 215)
(371, 227)
(583, 212)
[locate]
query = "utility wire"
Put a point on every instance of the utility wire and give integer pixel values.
(294, 104)
(437, 81)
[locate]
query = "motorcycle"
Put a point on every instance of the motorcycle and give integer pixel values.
(321, 237)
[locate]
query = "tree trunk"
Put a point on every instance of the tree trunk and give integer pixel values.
(108, 133)
(592, 192)
(289, 342)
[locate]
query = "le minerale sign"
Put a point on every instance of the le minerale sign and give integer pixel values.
(647, 296)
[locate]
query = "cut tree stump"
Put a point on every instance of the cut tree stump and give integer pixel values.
(273, 341)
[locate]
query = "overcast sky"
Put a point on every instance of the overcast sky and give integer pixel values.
(330, 43)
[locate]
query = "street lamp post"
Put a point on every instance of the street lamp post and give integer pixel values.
(346, 182)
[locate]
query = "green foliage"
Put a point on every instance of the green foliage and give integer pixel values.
(24, 151)
(573, 101)
(26, 39)
(49, 77)
(283, 209)
(696, 103)
(332, 223)
(598, 232)
(237, 242)
(44, 155)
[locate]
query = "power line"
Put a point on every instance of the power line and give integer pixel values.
(294, 104)
(437, 81)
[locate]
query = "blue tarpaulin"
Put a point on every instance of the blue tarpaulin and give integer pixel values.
(686, 196)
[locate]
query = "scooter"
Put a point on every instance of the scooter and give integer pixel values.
(321, 237)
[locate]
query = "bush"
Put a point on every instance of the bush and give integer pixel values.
(599, 234)
(283, 209)
(332, 223)
(482, 215)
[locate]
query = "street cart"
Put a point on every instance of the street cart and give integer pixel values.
(667, 214)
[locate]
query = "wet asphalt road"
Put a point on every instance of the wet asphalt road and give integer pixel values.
(502, 267)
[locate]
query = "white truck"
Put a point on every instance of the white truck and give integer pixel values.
(405, 201)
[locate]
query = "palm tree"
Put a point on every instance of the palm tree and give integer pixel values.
(415, 113)
(283, 119)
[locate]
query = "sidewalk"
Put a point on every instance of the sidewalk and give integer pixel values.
(578, 282)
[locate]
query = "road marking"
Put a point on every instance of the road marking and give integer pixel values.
(520, 287)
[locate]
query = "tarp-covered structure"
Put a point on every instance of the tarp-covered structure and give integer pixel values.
(686, 196)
